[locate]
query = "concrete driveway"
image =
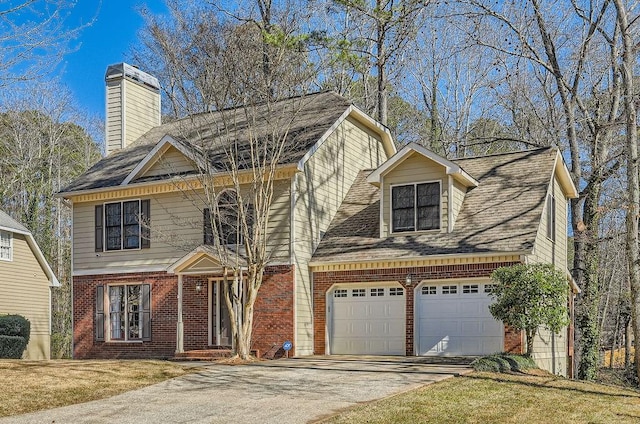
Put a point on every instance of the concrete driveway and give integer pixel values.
(283, 391)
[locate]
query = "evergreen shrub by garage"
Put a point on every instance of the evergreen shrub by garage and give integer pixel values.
(15, 331)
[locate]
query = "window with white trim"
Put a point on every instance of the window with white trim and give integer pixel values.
(551, 217)
(227, 220)
(340, 293)
(377, 292)
(429, 290)
(488, 288)
(358, 293)
(123, 312)
(396, 291)
(122, 225)
(449, 289)
(6, 246)
(415, 207)
(470, 288)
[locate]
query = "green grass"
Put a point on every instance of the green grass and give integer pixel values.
(483, 397)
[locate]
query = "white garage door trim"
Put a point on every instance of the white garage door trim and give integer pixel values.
(355, 339)
(471, 292)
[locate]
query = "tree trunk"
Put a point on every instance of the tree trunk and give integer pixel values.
(633, 187)
(531, 334)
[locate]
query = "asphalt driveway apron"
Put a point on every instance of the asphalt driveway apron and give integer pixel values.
(283, 391)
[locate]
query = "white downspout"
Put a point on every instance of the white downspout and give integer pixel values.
(180, 326)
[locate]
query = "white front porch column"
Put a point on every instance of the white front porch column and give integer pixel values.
(180, 326)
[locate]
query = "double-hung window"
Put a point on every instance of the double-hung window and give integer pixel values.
(122, 225)
(6, 246)
(126, 312)
(415, 207)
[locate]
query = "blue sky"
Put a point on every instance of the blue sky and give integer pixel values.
(105, 42)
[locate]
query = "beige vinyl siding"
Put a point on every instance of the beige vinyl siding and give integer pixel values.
(172, 162)
(550, 351)
(415, 169)
(547, 251)
(142, 110)
(24, 290)
(114, 116)
(320, 189)
(457, 197)
(176, 229)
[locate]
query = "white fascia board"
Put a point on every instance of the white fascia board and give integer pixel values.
(563, 175)
(116, 270)
(451, 168)
(153, 156)
(35, 249)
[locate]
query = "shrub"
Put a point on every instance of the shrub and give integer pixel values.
(15, 331)
(504, 362)
(12, 347)
(15, 325)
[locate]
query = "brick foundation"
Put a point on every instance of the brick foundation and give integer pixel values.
(273, 316)
(323, 281)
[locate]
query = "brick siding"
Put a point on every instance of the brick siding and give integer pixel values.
(322, 282)
(273, 316)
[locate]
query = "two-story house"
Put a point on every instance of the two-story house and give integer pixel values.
(373, 251)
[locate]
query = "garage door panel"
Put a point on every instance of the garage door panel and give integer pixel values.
(372, 322)
(456, 324)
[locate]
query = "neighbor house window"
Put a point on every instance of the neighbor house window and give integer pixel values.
(128, 314)
(415, 207)
(6, 246)
(227, 220)
(122, 225)
(551, 217)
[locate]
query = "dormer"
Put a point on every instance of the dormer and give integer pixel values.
(420, 192)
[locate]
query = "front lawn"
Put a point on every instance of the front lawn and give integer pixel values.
(503, 398)
(29, 386)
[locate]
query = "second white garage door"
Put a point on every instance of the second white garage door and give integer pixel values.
(367, 320)
(454, 319)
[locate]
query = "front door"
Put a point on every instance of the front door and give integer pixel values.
(219, 319)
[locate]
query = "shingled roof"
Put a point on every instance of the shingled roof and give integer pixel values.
(304, 118)
(502, 214)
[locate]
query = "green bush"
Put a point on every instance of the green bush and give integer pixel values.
(12, 347)
(15, 331)
(15, 325)
(504, 362)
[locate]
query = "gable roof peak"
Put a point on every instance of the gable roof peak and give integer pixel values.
(451, 168)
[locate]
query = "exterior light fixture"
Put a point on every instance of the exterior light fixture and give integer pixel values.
(408, 280)
(198, 287)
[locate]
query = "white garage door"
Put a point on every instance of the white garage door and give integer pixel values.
(367, 320)
(454, 319)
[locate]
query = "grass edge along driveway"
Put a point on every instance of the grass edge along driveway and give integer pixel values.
(502, 398)
(29, 386)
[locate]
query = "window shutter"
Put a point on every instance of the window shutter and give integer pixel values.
(99, 321)
(207, 230)
(146, 312)
(145, 225)
(99, 234)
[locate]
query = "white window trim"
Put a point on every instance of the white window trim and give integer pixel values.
(104, 226)
(415, 215)
(107, 314)
(8, 235)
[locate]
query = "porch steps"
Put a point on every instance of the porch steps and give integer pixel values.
(213, 354)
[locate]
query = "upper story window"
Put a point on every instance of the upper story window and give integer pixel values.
(122, 225)
(415, 207)
(227, 220)
(6, 246)
(551, 217)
